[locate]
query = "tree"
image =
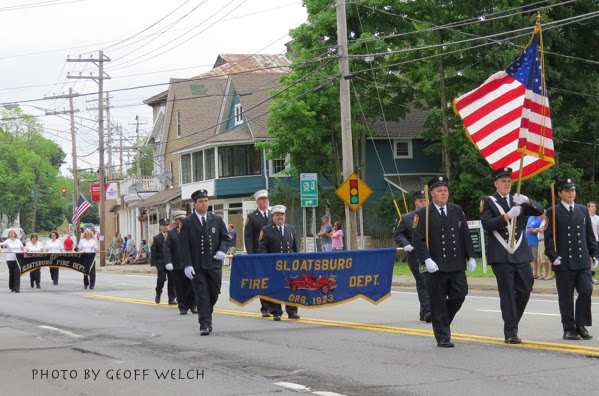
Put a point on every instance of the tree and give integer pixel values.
(147, 162)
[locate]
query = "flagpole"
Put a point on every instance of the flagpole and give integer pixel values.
(517, 192)
(553, 216)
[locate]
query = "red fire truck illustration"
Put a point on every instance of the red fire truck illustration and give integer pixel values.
(311, 282)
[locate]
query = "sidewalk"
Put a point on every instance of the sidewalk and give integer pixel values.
(540, 286)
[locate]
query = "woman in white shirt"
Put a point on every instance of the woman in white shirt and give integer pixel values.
(35, 246)
(88, 244)
(54, 245)
(13, 245)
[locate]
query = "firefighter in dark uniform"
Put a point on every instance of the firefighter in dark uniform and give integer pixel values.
(575, 242)
(279, 237)
(203, 242)
(157, 260)
(172, 258)
(511, 266)
(403, 238)
(449, 249)
(255, 221)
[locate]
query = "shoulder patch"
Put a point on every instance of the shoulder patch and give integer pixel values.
(415, 223)
(261, 235)
(247, 220)
(482, 204)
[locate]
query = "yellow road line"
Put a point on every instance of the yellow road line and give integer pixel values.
(575, 348)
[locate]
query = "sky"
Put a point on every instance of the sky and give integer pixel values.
(148, 42)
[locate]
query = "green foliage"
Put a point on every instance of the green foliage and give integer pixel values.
(147, 162)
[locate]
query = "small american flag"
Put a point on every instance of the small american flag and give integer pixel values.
(82, 207)
(509, 114)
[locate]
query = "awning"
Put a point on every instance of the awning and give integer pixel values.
(160, 198)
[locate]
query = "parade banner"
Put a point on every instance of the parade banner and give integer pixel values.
(312, 280)
(81, 262)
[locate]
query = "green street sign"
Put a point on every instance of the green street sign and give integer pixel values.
(309, 190)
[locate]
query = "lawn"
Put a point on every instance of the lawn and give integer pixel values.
(401, 268)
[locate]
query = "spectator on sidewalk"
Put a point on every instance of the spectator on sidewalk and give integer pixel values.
(337, 236)
(325, 233)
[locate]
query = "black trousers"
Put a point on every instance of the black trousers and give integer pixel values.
(447, 292)
(91, 279)
(567, 282)
(425, 305)
(14, 275)
(54, 275)
(35, 277)
(514, 283)
(184, 290)
(163, 276)
(206, 285)
(277, 310)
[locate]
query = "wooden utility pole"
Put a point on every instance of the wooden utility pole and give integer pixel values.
(120, 129)
(100, 80)
(346, 132)
(138, 145)
(109, 135)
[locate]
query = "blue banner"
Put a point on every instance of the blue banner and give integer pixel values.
(312, 280)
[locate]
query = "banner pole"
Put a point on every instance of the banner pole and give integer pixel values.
(553, 216)
(426, 214)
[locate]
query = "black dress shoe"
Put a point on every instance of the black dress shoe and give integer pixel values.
(172, 302)
(17, 291)
(570, 335)
(293, 316)
(85, 287)
(194, 310)
(39, 287)
(428, 317)
(583, 333)
(32, 285)
(276, 318)
(55, 283)
(265, 314)
(91, 288)
(182, 312)
(513, 340)
(205, 331)
(445, 344)
(157, 299)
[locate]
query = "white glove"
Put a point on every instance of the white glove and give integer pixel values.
(220, 255)
(557, 261)
(189, 272)
(408, 248)
(471, 264)
(169, 267)
(431, 266)
(596, 262)
(514, 212)
(521, 199)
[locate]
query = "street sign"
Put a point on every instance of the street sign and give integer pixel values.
(309, 190)
(354, 191)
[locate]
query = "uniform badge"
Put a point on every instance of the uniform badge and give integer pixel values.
(482, 204)
(213, 230)
(415, 224)
(261, 235)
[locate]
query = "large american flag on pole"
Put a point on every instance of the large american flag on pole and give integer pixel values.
(509, 114)
(82, 207)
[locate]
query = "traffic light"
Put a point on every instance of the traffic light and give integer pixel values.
(353, 191)
(64, 192)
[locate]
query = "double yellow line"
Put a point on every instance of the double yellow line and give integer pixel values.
(578, 348)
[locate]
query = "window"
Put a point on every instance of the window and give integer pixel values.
(171, 169)
(178, 124)
(198, 166)
(209, 164)
(278, 165)
(238, 161)
(403, 149)
(238, 114)
(186, 169)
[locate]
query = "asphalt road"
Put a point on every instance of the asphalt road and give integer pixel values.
(116, 340)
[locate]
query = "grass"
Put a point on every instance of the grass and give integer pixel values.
(401, 268)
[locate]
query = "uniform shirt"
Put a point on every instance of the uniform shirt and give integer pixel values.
(87, 246)
(12, 247)
(54, 247)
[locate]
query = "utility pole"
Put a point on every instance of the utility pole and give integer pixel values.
(72, 111)
(138, 145)
(100, 80)
(346, 132)
(107, 106)
(120, 129)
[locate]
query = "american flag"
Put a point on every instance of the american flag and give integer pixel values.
(82, 207)
(509, 114)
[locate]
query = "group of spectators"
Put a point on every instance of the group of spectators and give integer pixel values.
(331, 236)
(126, 250)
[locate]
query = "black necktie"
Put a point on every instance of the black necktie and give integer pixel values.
(265, 216)
(281, 230)
(570, 212)
(507, 204)
(203, 222)
(443, 214)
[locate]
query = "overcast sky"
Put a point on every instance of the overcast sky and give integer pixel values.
(146, 46)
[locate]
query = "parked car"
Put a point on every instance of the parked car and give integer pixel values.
(311, 282)
(91, 227)
(19, 231)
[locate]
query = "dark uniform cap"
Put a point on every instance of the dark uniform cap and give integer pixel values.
(502, 172)
(566, 183)
(199, 194)
(164, 222)
(438, 181)
(419, 195)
